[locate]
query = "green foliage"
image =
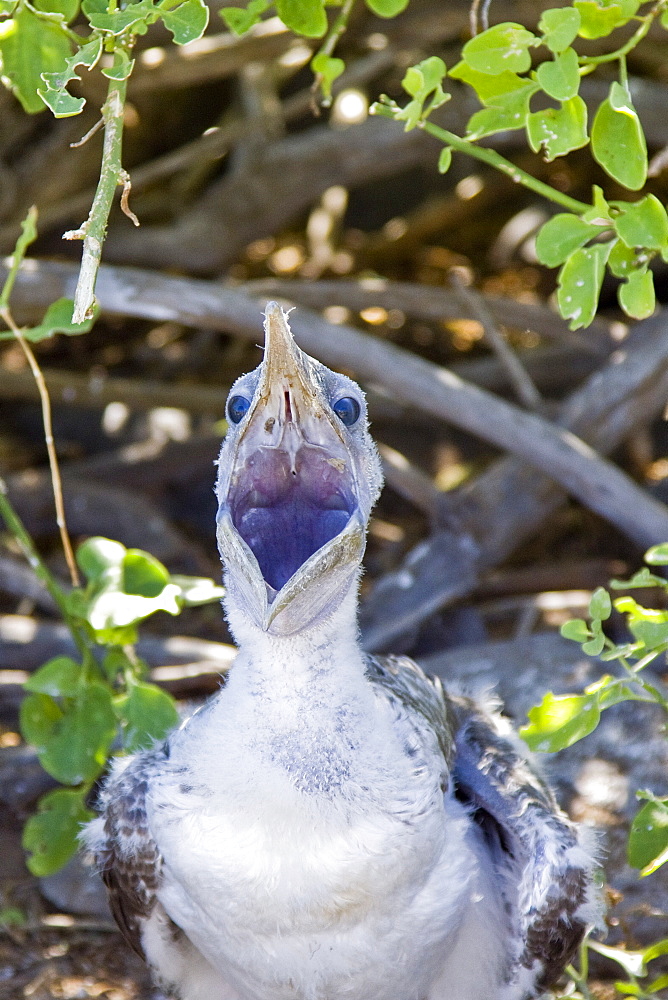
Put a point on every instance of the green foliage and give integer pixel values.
(508, 66)
(41, 55)
(561, 720)
(77, 710)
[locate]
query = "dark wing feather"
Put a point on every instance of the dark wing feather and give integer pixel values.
(544, 872)
(403, 680)
(128, 858)
(547, 869)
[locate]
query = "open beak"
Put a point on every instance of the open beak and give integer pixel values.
(290, 528)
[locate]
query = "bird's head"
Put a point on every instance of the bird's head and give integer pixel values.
(298, 476)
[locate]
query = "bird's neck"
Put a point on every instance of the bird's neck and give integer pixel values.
(325, 657)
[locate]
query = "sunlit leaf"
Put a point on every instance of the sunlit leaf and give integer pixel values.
(575, 629)
(96, 555)
(657, 555)
(77, 747)
(560, 721)
(648, 838)
(30, 46)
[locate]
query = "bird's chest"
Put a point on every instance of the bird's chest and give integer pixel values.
(298, 853)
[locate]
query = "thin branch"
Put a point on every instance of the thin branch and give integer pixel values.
(50, 445)
(94, 229)
(517, 373)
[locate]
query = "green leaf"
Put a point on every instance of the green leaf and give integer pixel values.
(656, 950)
(196, 590)
(96, 555)
(39, 716)
(487, 86)
(29, 46)
(143, 574)
(631, 961)
(387, 8)
(51, 835)
(112, 609)
(560, 78)
(56, 96)
(643, 223)
(57, 319)
(652, 633)
(560, 236)
(648, 839)
(58, 677)
(136, 15)
(444, 160)
(599, 213)
(7, 8)
(600, 605)
(507, 111)
(580, 281)
(559, 130)
(188, 21)
(328, 68)
(600, 17)
(503, 47)
(618, 141)
(575, 629)
(308, 19)
(657, 555)
(622, 260)
(636, 296)
(559, 27)
(560, 721)
(240, 20)
(68, 8)
(148, 714)
(76, 749)
(121, 67)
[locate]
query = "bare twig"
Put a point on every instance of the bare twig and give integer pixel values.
(519, 377)
(50, 446)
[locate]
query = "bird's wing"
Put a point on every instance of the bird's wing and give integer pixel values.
(538, 852)
(125, 852)
(543, 869)
(402, 680)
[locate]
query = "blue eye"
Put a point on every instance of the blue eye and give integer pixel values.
(347, 410)
(237, 408)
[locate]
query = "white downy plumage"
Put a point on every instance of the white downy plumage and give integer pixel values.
(331, 825)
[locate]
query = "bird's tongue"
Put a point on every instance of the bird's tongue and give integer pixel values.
(285, 508)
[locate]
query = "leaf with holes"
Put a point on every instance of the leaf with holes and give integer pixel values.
(30, 46)
(559, 130)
